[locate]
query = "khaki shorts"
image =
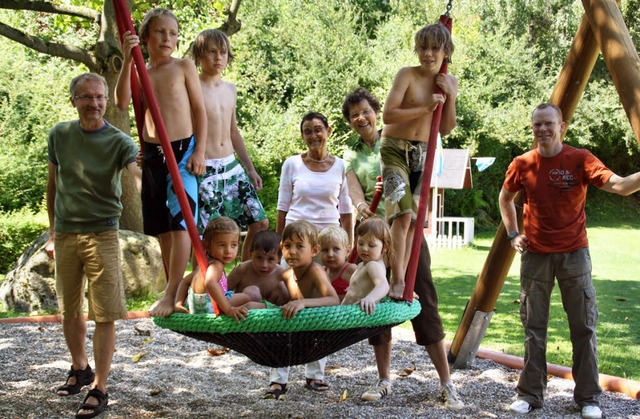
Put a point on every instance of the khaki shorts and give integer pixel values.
(402, 164)
(92, 258)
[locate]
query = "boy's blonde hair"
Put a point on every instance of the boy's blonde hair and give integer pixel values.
(437, 34)
(148, 18)
(379, 229)
(336, 233)
(219, 225)
(210, 36)
(304, 230)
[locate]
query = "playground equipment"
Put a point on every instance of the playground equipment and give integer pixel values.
(602, 29)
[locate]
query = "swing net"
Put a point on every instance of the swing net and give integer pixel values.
(265, 336)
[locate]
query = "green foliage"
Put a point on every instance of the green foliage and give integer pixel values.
(17, 230)
(30, 104)
(296, 56)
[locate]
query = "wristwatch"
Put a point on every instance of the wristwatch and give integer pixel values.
(513, 234)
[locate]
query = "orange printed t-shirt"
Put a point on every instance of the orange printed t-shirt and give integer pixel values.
(555, 193)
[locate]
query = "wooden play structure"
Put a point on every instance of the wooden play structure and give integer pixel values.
(602, 29)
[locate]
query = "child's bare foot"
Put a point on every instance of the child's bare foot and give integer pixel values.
(162, 308)
(397, 290)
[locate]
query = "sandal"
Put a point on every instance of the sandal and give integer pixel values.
(93, 409)
(278, 393)
(316, 385)
(83, 378)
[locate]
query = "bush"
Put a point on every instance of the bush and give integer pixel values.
(18, 229)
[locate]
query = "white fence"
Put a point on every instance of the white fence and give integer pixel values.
(451, 233)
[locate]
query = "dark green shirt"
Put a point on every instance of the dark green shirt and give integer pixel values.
(88, 168)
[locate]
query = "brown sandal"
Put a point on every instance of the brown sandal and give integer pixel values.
(278, 393)
(93, 409)
(316, 385)
(83, 378)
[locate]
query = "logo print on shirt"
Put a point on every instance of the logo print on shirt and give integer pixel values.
(562, 179)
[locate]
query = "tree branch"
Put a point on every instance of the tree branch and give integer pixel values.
(50, 48)
(42, 6)
(232, 24)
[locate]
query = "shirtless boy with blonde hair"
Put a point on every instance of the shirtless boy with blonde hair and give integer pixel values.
(407, 115)
(177, 90)
(225, 188)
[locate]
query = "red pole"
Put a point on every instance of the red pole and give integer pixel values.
(418, 233)
(122, 9)
(138, 108)
(373, 207)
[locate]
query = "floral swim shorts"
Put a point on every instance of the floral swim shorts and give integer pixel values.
(225, 189)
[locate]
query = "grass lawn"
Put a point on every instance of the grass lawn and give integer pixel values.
(617, 284)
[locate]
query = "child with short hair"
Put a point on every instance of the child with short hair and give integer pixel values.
(177, 90)
(225, 188)
(221, 242)
(334, 251)
(408, 112)
(261, 276)
(308, 286)
(369, 282)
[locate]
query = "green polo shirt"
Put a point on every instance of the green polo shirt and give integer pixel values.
(365, 163)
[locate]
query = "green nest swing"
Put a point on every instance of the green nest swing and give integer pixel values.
(268, 339)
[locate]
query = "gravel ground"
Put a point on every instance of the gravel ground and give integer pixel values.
(178, 377)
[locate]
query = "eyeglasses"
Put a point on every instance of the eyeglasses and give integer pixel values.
(87, 98)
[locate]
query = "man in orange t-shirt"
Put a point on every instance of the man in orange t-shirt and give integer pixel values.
(554, 178)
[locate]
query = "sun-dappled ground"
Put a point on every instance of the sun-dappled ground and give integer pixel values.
(178, 377)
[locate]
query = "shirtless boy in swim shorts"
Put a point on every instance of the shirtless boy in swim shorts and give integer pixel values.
(225, 188)
(177, 90)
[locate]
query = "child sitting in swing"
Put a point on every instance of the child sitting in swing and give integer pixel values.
(308, 286)
(220, 241)
(369, 284)
(334, 251)
(260, 277)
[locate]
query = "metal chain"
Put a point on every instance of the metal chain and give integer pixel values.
(449, 6)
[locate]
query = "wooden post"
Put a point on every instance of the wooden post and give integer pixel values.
(566, 95)
(619, 54)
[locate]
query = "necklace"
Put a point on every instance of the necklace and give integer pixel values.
(305, 272)
(318, 161)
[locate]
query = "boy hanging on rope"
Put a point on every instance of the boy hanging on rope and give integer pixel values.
(225, 188)
(261, 276)
(408, 113)
(177, 90)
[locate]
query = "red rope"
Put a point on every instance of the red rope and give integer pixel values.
(138, 107)
(373, 207)
(122, 10)
(412, 268)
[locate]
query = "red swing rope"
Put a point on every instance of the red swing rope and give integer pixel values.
(418, 234)
(124, 18)
(373, 207)
(138, 106)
